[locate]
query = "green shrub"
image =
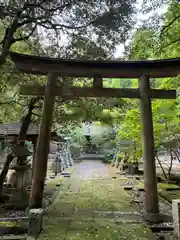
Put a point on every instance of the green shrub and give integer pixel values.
(175, 178)
(108, 161)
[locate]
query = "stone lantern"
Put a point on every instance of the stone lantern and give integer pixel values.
(22, 168)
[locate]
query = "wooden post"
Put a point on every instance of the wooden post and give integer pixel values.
(42, 150)
(151, 212)
(98, 82)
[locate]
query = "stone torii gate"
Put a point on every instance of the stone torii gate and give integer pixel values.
(142, 70)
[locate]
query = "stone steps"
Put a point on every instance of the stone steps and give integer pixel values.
(89, 156)
(13, 237)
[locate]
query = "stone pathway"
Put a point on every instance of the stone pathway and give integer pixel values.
(91, 205)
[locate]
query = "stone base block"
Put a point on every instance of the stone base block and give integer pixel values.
(152, 217)
(30, 238)
(35, 222)
(18, 200)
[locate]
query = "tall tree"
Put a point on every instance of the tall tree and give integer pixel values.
(102, 21)
(164, 18)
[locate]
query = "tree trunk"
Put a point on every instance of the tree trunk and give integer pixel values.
(177, 155)
(8, 40)
(21, 138)
(170, 167)
(170, 152)
(164, 173)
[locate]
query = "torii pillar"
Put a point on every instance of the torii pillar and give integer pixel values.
(151, 212)
(41, 156)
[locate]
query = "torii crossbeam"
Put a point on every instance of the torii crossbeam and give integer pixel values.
(143, 70)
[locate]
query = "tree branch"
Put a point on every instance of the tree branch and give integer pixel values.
(25, 37)
(34, 5)
(170, 23)
(10, 102)
(37, 115)
(49, 25)
(13, 101)
(175, 41)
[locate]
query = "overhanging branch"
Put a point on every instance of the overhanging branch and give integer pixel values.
(22, 38)
(11, 102)
(175, 41)
(170, 23)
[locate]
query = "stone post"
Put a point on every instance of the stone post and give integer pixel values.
(122, 165)
(63, 164)
(68, 159)
(116, 161)
(58, 164)
(69, 156)
(151, 212)
(35, 222)
(65, 156)
(176, 217)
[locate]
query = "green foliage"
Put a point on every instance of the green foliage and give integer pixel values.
(117, 83)
(86, 29)
(170, 195)
(97, 40)
(79, 29)
(151, 42)
(139, 50)
(120, 156)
